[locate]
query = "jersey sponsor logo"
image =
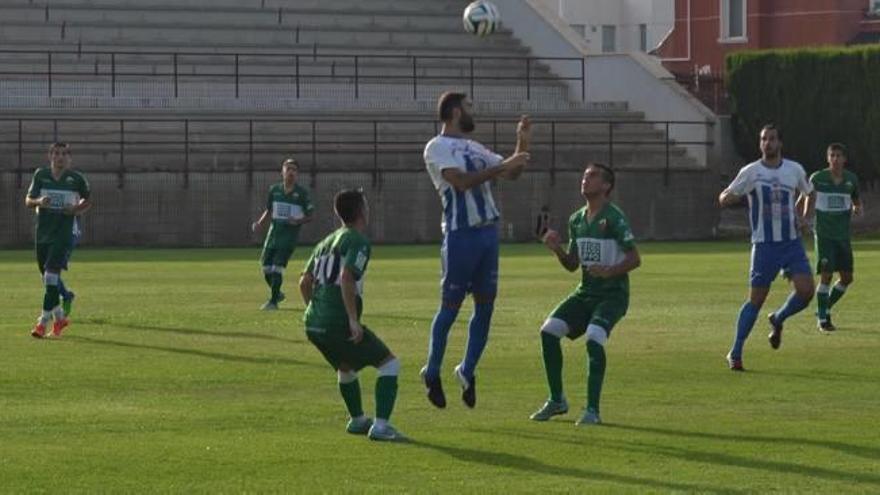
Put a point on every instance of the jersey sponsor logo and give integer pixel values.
(590, 251)
(286, 211)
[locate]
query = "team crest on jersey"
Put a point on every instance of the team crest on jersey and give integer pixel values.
(69, 179)
(603, 224)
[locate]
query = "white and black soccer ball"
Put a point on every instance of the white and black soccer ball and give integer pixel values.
(481, 18)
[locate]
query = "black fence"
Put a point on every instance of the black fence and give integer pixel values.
(125, 146)
(240, 71)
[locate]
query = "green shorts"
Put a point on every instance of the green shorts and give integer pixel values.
(336, 348)
(579, 311)
(276, 256)
(833, 255)
(53, 256)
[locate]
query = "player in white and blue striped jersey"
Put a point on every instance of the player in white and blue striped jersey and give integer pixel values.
(461, 170)
(771, 185)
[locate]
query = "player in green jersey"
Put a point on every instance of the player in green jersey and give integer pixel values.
(58, 194)
(332, 288)
(835, 199)
(288, 207)
(601, 244)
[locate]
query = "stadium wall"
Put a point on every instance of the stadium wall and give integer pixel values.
(216, 209)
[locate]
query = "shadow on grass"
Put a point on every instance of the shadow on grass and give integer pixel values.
(192, 352)
(693, 455)
(535, 466)
(856, 450)
(188, 331)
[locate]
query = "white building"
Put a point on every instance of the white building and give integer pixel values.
(617, 25)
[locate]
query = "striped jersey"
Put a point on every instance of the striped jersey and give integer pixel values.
(772, 193)
(474, 207)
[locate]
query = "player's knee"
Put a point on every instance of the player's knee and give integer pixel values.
(845, 279)
(51, 279)
(452, 299)
(278, 269)
(389, 368)
(597, 334)
(484, 298)
(555, 327)
(267, 269)
(346, 376)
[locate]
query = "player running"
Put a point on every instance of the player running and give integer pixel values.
(461, 170)
(58, 194)
(601, 244)
(835, 199)
(288, 207)
(332, 288)
(771, 184)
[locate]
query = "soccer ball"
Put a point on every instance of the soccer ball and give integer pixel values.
(481, 18)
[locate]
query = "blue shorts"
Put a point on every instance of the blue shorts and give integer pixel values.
(469, 259)
(770, 257)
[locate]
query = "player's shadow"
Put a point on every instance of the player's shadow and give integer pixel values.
(192, 352)
(692, 455)
(846, 448)
(188, 331)
(530, 465)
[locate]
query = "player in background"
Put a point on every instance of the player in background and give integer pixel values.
(58, 194)
(332, 288)
(461, 169)
(771, 185)
(601, 244)
(288, 207)
(835, 199)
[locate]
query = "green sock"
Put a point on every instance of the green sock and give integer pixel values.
(596, 375)
(386, 394)
(836, 293)
(552, 350)
(268, 277)
(276, 287)
(822, 302)
(50, 299)
(351, 394)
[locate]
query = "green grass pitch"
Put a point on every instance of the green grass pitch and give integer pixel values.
(171, 380)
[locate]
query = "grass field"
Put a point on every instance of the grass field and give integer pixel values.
(170, 379)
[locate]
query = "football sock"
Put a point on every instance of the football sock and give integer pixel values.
(744, 323)
(268, 277)
(836, 293)
(596, 374)
(276, 286)
(50, 298)
(793, 305)
(351, 394)
(478, 336)
(62, 290)
(552, 350)
(386, 394)
(822, 302)
(443, 321)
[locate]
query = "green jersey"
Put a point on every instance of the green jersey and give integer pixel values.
(834, 202)
(282, 208)
(346, 248)
(604, 241)
(53, 225)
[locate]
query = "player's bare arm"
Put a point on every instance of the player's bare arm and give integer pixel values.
(568, 260)
(631, 261)
(462, 181)
(260, 221)
(523, 140)
(349, 299)
(858, 207)
(35, 202)
(306, 287)
(728, 198)
(79, 208)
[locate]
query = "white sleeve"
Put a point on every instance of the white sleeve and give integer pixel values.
(440, 157)
(492, 159)
(804, 183)
(743, 183)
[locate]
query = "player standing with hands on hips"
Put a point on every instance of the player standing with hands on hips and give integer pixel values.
(461, 169)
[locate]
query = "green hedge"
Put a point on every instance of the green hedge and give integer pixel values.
(815, 96)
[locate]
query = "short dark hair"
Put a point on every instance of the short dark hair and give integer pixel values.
(59, 144)
(607, 173)
(289, 160)
(349, 204)
(840, 147)
(770, 126)
(448, 102)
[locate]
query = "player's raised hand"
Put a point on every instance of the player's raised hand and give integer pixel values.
(356, 330)
(524, 128)
(552, 239)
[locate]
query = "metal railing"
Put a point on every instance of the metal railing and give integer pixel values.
(556, 144)
(240, 70)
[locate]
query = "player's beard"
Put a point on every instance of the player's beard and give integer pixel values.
(467, 124)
